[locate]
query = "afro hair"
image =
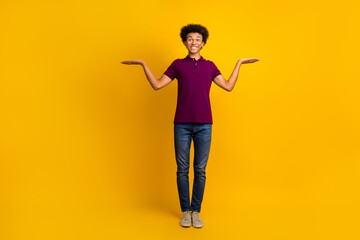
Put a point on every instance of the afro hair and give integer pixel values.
(194, 28)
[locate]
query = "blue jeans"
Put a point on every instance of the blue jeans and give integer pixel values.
(183, 134)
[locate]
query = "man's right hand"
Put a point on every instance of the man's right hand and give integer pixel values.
(138, 61)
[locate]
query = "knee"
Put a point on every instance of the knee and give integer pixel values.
(199, 172)
(182, 171)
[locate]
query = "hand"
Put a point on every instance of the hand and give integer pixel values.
(248, 60)
(138, 61)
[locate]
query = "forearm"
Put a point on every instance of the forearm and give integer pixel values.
(232, 80)
(150, 76)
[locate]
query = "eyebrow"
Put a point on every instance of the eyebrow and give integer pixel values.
(196, 37)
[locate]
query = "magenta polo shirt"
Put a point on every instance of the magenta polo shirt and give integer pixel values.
(194, 82)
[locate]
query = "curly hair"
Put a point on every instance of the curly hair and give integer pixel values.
(194, 28)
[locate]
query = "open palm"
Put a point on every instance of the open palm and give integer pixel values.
(138, 61)
(249, 60)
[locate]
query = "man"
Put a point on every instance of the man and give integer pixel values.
(193, 117)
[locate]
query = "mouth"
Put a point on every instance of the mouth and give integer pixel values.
(193, 48)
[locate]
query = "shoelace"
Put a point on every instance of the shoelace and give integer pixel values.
(186, 213)
(196, 216)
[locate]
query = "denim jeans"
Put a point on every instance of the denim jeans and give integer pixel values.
(184, 133)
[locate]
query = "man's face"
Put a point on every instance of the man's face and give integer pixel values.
(194, 42)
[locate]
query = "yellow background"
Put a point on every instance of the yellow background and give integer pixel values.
(87, 145)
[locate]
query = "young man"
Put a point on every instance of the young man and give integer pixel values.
(193, 117)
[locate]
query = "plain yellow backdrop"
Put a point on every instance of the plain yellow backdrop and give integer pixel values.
(86, 145)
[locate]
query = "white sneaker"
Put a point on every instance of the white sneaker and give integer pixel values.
(186, 219)
(196, 220)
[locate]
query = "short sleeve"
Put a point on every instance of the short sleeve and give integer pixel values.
(171, 71)
(215, 72)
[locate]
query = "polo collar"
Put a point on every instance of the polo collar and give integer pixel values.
(190, 58)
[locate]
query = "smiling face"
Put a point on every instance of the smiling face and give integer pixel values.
(194, 42)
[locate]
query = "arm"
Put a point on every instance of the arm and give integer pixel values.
(155, 83)
(230, 84)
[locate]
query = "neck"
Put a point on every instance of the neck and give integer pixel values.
(195, 55)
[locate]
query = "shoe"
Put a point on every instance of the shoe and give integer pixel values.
(196, 220)
(186, 219)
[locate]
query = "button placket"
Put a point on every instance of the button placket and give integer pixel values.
(195, 64)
